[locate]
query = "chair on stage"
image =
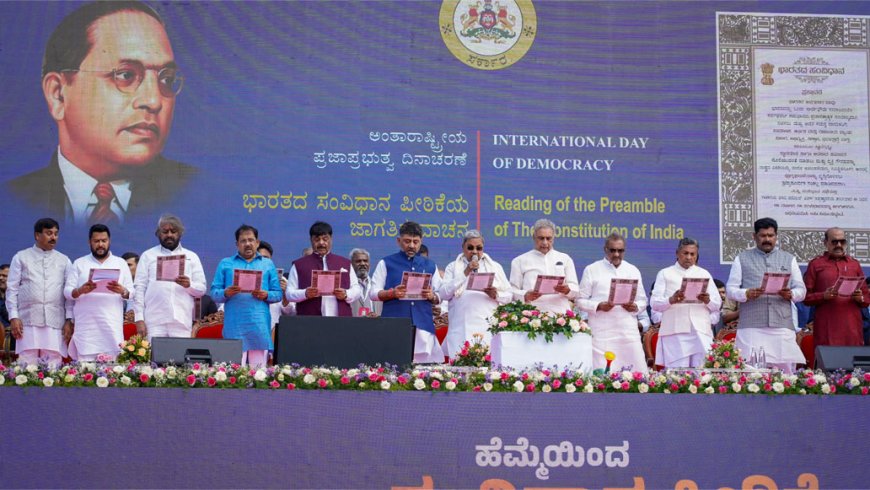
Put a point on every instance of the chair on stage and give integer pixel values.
(807, 344)
(650, 339)
(441, 327)
(210, 327)
(7, 351)
(129, 325)
(727, 334)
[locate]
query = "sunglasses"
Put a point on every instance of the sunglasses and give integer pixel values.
(472, 248)
(839, 242)
(616, 250)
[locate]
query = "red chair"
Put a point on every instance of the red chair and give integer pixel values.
(210, 332)
(129, 330)
(441, 333)
(808, 346)
(650, 339)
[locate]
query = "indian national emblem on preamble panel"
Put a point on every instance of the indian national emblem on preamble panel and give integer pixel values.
(488, 34)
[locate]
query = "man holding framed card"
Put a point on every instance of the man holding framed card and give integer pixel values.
(766, 318)
(686, 295)
(612, 293)
(836, 287)
(543, 276)
(475, 285)
(167, 280)
(247, 283)
(390, 285)
(321, 283)
(98, 283)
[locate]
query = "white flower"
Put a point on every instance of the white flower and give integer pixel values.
(487, 386)
(826, 388)
(755, 375)
(736, 387)
(538, 377)
(48, 381)
(287, 371)
(2, 380)
(125, 380)
(220, 376)
(362, 384)
(820, 378)
(518, 385)
(853, 382)
(308, 379)
(171, 372)
(102, 382)
(21, 380)
(546, 388)
(260, 375)
(693, 389)
(705, 379)
(414, 374)
(146, 370)
(616, 385)
(32, 368)
(385, 385)
(709, 390)
(536, 323)
(280, 377)
(419, 384)
(752, 388)
(118, 369)
(69, 378)
(778, 387)
(574, 324)
(667, 392)
(627, 376)
(570, 388)
(588, 388)
(493, 321)
(436, 375)
(643, 388)
(802, 391)
(450, 385)
(791, 378)
(660, 379)
(336, 372)
(87, 366)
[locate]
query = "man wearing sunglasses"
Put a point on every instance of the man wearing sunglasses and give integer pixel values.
(838, 314)
(110, 80)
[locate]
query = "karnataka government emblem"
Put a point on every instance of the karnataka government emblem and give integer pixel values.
(488, 34)
(767, 74)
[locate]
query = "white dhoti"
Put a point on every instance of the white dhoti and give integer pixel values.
(426, 348)
(171, 329)
(682, 349)
(780, 347)
(41, 338)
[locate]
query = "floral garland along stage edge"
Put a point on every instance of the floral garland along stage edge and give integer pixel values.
(522, 317)
(423, 378)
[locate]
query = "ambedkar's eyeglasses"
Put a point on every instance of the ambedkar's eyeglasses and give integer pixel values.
(129, 76)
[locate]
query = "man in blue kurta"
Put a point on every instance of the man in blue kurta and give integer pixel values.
(387, 287)
(246, 314)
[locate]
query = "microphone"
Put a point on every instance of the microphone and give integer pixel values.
(474, 259)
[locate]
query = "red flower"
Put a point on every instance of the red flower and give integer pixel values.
(436, 384)
(625, 386)
(345, 380)
(811, 382)
(275, 384)
(191, 379)
(476, 389)
(211, 381)
(504, 376)
(88, 377)
(767, 387)
(487, 358)
(578, 383)
(291, 386)
(525, 376)
(865, 390)
(322, 383)
(530, 387)
(723, 389)
(232, 380)
(726, 354)
(373, 377)
(143, 378)
(40, 375)
(675, 387)
(402, 380)
(556, 384)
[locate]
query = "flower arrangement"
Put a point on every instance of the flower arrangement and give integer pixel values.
(724, 355)
(522, 317)
(424, 378)
(473, 354)
(135, 350)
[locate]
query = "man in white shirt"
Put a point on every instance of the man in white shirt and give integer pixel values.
(164, 308)
(544, 260)
(38, 313)
(766, 320)
(470, 309)
(614, 326)
(98, 311)
(300, 290)
(686, 330)
(360, 260)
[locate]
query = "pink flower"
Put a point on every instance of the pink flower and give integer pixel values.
(675, 387)
(502, 324)
(625, 386)
(786, 383)
(867, 377)
(463, 352)
(345, 380)
(578, 383)
(40, 375)
(72, 371)
(191, 379)
(556, 384)
(767, 387)
(530, 387)
(637, 376)
(696, 382)
(322, 383)
(561, 322)
(487, 358)
(811, 382)
(569, 313)
(211, 381)
(421, 375)
(683, 382)
(503, 315)
(291, 386)
(88, 377)
(306, 370)
(380, 369)
(726, 354)
(723, 389)
(235, 365)
(402, 380)
(524, 320)
(196, 366)
(232, 380)
(476, 389)
(275, 384)
(436, 384)
(536, 313)
(373, 377)
(525, 376)
(600, 387)
(865, 390)
(504, 376)
(144, 378)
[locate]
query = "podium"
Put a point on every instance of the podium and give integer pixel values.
(344, 342)
(516, 350)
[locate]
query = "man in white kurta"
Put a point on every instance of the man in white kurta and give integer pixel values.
(99, 307)
(470, 309)
(165, 308)
(686, 330)
(614, 327)
(544, 260)
(38, 313)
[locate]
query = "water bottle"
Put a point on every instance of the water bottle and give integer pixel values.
(753, 358)
(762, 358)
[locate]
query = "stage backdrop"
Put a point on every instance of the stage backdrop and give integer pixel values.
(602, 116)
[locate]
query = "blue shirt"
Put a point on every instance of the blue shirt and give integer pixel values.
(246, 317)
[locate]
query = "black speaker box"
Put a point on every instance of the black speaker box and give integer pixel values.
(831, 358)
(181, 350)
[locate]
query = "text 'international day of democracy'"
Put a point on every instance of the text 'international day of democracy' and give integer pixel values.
(562, 141)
